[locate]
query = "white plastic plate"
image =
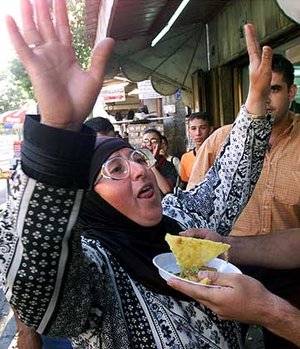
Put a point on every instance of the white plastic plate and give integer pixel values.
(167, 267)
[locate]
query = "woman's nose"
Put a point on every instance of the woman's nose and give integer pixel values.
(137, 170)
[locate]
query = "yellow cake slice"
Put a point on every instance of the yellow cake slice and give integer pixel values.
(192, 252)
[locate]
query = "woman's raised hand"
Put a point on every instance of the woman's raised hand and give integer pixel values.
(260, 73)
(64, 91)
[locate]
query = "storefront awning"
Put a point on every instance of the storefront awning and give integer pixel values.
(134, 24)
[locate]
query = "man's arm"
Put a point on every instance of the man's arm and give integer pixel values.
(283, 320)
(245, 299)
(279, 250)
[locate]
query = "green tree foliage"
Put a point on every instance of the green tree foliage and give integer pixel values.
(76, 10)
(15, 86)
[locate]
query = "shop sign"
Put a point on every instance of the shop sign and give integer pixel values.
(111, 94)
(146, 91)
(169, 109)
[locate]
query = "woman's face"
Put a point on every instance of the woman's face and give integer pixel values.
(164, 148)
(151, 141)
(137, 196)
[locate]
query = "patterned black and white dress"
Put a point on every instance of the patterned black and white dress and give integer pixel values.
(64, 285)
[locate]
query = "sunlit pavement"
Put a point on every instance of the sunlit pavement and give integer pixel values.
(3, 192)
(7, 325)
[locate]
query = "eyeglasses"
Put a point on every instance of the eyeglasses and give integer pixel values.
(119, 168)
(151, 141)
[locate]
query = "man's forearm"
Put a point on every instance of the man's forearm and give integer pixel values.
(283, 319)
(276, 250)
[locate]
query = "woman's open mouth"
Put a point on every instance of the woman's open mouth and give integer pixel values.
(146, 192)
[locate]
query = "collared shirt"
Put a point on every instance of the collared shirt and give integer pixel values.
(186, 164)
(275, 202)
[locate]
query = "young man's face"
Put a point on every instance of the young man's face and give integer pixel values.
(280, 97)
(199, 130)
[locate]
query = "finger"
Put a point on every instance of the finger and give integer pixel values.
(266, 59)
(256, 42)
(198, 233)
(197, 292)
(252, 43)
(221, 279)
(23, 51)
(62, 26)
(30, 32)
(44, 21)
(99, 58)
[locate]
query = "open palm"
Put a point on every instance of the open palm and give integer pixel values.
(64, 91)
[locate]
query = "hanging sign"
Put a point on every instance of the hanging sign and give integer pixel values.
(146, 91)
(113, 93)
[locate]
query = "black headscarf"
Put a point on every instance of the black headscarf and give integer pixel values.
(133, 245)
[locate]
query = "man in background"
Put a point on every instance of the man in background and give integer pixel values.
(275, 202)
(199, 129)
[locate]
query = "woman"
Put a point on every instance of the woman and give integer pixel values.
(164, 152)
(85, 270)
(164, 171)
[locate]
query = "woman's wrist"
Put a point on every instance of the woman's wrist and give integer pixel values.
(256, 110)
(71, 126)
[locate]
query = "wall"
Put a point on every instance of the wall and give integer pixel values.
(227, 41)
(174, 128)
(227, 50)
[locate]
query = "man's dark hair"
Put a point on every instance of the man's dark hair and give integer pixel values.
(154, 130)
(283, 66)
(200, 115)
(100, 124)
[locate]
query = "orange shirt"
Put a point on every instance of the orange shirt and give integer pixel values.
(275, 202)
(186, 164)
